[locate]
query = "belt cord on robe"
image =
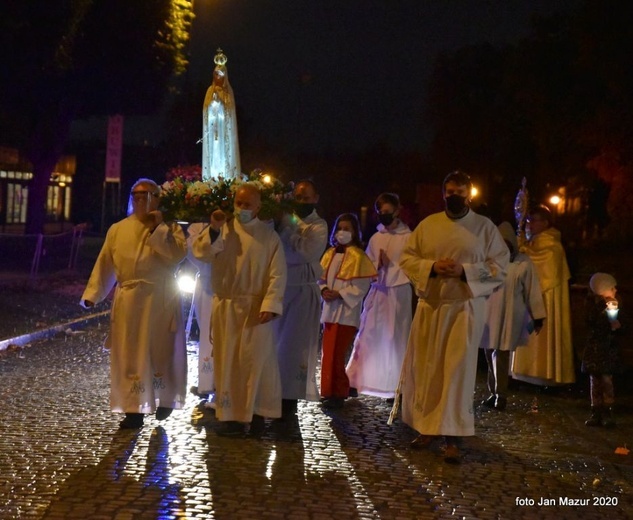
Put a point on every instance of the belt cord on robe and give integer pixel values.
(398, 393)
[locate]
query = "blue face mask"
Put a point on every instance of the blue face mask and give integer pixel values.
(243, 215)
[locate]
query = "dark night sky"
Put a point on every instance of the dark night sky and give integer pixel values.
(341, 74)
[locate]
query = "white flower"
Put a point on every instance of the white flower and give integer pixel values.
(198, 188)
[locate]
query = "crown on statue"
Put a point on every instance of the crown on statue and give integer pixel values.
(220, 57)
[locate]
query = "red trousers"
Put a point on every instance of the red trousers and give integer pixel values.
(337, 339)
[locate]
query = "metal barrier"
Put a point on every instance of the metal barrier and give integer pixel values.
(47, 253)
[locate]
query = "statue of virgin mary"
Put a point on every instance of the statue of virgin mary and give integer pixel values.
(220, 148)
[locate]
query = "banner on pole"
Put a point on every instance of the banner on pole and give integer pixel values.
(114, 149)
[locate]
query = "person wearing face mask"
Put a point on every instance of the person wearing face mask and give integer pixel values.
(347, 274)
(304, 237)
(148, 357)
(454, 259)
(248, 279)
(376, 360)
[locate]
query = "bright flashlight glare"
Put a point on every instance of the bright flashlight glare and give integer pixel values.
(554, 199)
(267, 179)
(186, 283)
(474, 191)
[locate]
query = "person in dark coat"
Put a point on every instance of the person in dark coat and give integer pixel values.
(601, 358)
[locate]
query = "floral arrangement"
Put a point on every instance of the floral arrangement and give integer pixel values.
(186, 198)
(188, 173)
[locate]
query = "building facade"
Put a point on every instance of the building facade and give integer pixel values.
(15, 176)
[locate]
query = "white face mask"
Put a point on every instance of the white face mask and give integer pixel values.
(343, 237)
(244, 215)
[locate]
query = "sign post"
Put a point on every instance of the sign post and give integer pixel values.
(114, 152)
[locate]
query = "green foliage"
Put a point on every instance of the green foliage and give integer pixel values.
(70, 59)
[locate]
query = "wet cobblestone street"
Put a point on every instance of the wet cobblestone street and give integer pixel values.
(62, 456)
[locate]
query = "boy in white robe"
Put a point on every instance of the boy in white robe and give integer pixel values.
(376, 361)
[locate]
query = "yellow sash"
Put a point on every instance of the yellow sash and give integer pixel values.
(355, 264)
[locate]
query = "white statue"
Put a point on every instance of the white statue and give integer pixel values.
(220, 148)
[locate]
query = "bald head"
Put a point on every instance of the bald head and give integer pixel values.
(248, 197)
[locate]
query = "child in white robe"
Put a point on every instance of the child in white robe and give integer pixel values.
(376, 361)
(347, 274)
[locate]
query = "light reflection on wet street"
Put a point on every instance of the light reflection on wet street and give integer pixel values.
(61, 455)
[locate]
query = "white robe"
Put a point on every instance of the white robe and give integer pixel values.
(248, 276)
(297, 330)
(345, 310)
(148, 357)
(441, 359)
(202, 299)
(513, 306)
(376, 360)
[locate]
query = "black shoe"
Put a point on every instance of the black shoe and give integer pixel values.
(230, 429)
(608, 420)
(289, 406)
(353, 392)
(132, 421)
(258, 424)
(162, 413)
(390, 401)
(500, 403)
(452, 454)
(421, 442)
(490, 401)
(333, 403)
(595, 419)
(202, 395)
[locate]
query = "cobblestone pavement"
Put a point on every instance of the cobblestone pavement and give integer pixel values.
(62, 457)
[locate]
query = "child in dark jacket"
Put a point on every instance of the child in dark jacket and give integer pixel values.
(600, 358)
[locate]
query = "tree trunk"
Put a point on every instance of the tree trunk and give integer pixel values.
(38, 190)
(48, 140)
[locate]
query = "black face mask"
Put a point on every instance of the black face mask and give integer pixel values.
(385, 219)
(455, 204)
(303, 209)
